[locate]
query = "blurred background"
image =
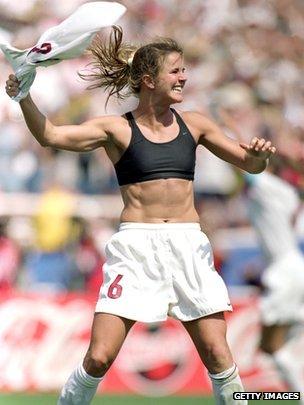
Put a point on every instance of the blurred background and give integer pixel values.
(244, 61)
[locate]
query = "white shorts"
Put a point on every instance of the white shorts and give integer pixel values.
(155, 270)
(283, 299)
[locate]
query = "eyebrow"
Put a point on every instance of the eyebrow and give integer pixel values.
(178, 68)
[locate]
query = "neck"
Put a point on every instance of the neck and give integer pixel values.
(151, 112)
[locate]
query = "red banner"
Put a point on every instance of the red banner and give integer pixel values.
(42, 338)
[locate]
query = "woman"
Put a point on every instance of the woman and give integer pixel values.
(159, 262)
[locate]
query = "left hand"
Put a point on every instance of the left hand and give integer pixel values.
(259, 148)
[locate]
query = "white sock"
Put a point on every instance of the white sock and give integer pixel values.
(79, 389)
(225, 384)
(290, 370)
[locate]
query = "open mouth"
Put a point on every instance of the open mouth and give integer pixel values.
(177, 89)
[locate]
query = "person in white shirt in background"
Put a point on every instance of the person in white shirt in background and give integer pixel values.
(273, 205)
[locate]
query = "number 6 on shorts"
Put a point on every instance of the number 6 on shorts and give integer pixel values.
(115, 289)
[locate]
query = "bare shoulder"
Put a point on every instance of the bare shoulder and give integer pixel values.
(197, 122)
(115, 127)
(107, 123)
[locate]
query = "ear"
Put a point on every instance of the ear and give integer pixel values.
(148, 81)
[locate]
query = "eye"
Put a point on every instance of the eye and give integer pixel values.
(177, 70)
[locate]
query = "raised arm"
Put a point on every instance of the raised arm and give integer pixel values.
(250, 157)
(88, 136)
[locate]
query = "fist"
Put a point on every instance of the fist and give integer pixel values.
(12, 86)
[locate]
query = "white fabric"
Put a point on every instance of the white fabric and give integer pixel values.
(290, 365)
(67, 40)
(224, 384)
(284, 290)
(160, 270)
(79, 389)
(272, 204)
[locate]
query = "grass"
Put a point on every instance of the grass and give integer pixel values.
(51, 399)
(48, 399)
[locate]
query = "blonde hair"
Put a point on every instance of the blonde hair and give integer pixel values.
(119, 67)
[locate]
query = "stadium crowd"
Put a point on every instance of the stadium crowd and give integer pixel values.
(245, 66)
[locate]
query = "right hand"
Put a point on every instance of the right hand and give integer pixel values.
(12, 86)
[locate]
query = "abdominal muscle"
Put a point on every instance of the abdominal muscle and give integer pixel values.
(159, 201)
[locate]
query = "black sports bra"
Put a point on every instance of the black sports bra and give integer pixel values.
(144, 160)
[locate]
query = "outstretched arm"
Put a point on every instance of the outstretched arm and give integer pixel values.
(88, 136)
(250, 157)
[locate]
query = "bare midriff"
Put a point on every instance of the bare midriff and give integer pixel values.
(159, 201)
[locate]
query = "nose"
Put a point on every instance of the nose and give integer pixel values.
(182, 77)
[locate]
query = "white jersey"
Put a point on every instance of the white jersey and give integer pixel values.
(272, 204)
(67, 40)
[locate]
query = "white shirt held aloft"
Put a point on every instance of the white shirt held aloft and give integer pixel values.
(67, 40)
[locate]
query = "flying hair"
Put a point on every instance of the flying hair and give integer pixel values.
(119, 66)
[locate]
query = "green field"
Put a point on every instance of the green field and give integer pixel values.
(23, 399)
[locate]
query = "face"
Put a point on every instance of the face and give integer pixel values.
(171, 79)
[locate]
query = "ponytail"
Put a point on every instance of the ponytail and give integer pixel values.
(111, 65)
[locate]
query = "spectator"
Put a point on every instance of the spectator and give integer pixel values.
(9, 258)
(49, 265)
